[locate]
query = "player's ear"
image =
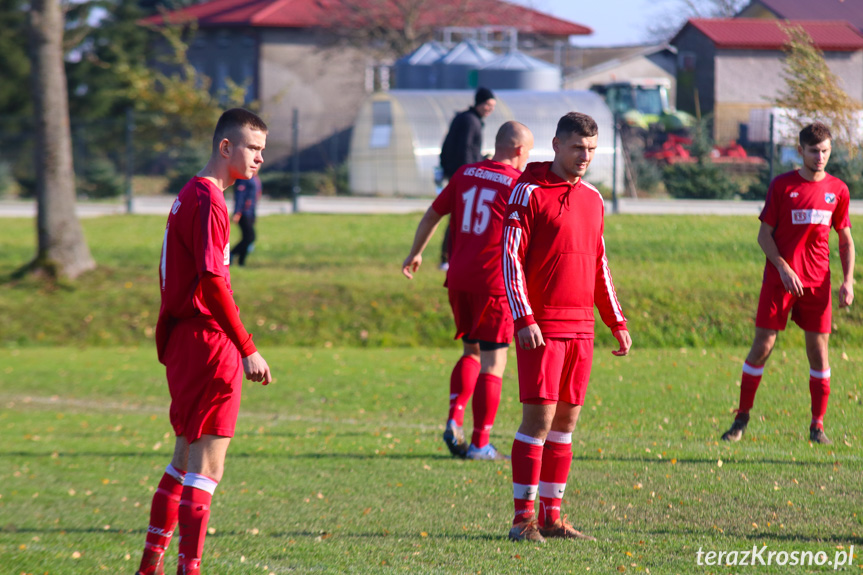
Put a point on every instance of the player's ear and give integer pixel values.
(555, 144)
(225, 147)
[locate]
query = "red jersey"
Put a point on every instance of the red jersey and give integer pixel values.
(196, 241)
(801, 214)
(476, 197)
(554, 264)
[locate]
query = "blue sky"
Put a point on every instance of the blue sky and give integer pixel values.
(614, 22)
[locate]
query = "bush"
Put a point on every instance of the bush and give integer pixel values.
(331, 182)
(100, 180)
(7, 181)
(758, 189)
(189, 162)
(848, 168)
(698, 180)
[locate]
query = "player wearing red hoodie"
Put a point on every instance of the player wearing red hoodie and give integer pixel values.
(555, 271)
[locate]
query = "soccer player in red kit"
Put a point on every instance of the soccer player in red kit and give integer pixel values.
(555, 271)
(202, 342)
(801, 208)
(476, 197)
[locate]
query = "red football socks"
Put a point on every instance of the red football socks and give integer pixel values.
(163, 520)
(461, 385)
(556, 462)
(526, 465)
(748, 386)
(194, 515)
(819, 391)
(486, 400)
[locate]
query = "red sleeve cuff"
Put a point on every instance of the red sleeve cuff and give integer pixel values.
(221, 304)
(523, 322)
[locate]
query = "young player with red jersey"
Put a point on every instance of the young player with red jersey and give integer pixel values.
(555, 271)
(202, 342)
(801, 208)
(476, 197)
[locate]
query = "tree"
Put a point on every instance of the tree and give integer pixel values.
(62, 249)
(813, 92)
(393, 28)
(667, 24)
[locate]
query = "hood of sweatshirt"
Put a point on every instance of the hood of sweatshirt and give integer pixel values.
(542, 176)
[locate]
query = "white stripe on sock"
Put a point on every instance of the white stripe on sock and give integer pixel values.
(559, 437)
(520, 491)
(201, 482)
(552, 490)
(175, 473)
(819, 374)
(752, 370)
(528, 439)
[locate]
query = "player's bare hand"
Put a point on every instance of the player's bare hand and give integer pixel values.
(530, 337)
(846, 294)
(792, 283)
(256, 369)
(624, 340)
(411, 265)
(236, 218)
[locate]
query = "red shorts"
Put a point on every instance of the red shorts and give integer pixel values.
(481, 317)
(812, 311)
(205, 378)
(556, 371)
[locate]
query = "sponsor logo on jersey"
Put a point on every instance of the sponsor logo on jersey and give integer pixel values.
(227, 253)
(794, 194)
(514, 216)
(830, 198)
(813, 217)
(176, 206)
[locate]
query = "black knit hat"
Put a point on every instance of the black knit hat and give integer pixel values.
(482, 95)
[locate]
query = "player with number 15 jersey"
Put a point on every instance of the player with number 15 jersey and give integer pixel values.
(476, 197)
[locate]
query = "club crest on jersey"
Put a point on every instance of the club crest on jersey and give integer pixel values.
(829, 198)
(227, 254)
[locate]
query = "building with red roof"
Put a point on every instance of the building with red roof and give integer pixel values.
(323, 57)
(850, 11)
(727, 67)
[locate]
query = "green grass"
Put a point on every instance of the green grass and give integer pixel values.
(338, 467)
(313, 279)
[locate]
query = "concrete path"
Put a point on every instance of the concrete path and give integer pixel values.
(160, 205)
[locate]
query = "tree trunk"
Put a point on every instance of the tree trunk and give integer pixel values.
(62, 249)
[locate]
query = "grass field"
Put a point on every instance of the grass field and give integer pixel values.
(338, 465)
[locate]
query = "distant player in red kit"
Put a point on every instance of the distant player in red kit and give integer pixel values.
(801, 208)
(202, 342)
(555, 271)
(476, 196)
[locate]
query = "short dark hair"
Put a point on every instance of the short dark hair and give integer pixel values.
(814, 134)
(236, 119)
(576, 123)
(482, 96)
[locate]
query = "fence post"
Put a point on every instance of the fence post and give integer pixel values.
(772, 146)
(130, 159)
(614, 206)
(295, 138)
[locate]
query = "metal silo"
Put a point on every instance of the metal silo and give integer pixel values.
(417, 71)
(518, 71)
(459, 64)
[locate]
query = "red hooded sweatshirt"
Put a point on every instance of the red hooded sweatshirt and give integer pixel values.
(554, 264)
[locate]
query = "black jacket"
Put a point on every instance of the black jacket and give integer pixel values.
(463, 142)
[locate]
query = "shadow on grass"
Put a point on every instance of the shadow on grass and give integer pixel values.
(765, 536)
